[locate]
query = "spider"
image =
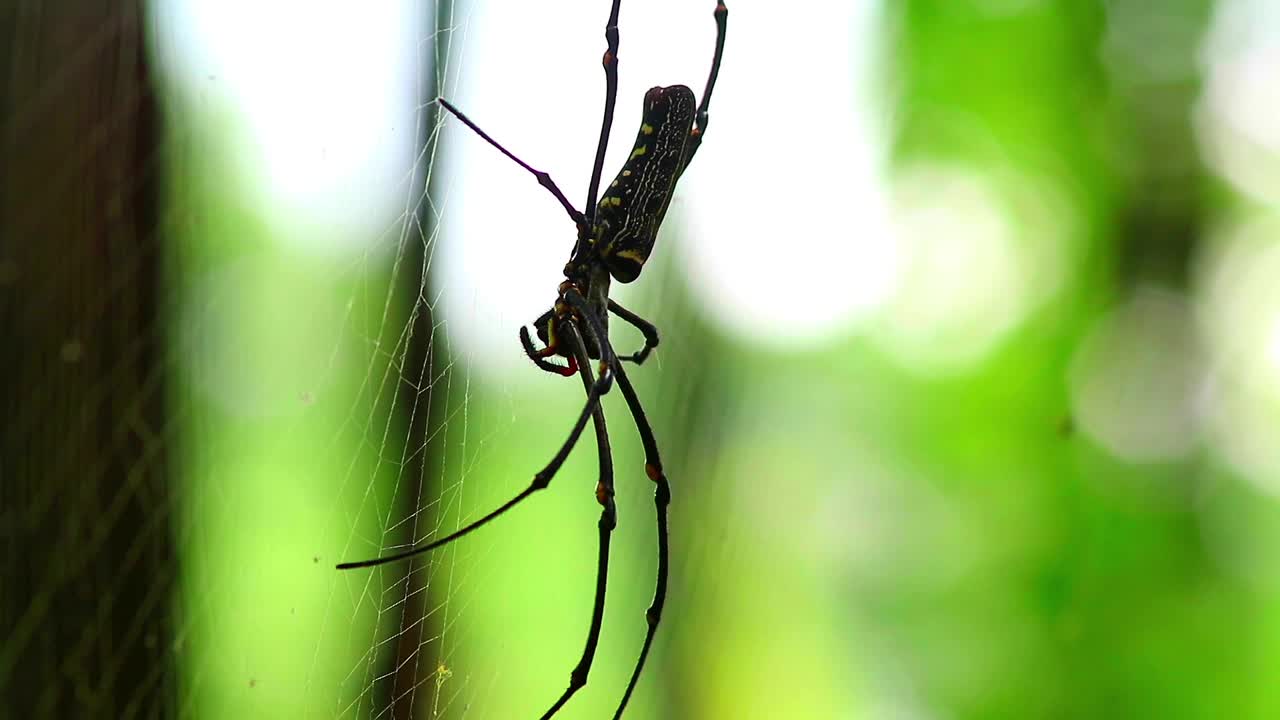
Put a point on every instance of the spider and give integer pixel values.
(614, 239)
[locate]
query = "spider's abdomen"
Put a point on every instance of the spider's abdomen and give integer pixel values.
(631, 209)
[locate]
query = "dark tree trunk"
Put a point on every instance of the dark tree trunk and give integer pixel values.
(85, 594)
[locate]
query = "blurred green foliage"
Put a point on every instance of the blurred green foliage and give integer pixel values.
(1055, 500)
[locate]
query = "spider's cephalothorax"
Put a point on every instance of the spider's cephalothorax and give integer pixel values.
(614, 239)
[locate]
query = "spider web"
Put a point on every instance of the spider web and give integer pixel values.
(241, 354)
(339, 376)
(490, 627)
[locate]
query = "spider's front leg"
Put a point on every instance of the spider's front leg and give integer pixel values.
(704, 115)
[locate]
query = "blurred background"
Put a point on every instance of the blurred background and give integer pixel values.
(967, 390)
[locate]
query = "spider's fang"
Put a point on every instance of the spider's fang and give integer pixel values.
(571, 369)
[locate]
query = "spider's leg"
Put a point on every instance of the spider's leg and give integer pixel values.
(645, 327)
(661, 499)
(610, 62)
(702, 118)
(542, 177)
(540, 480)
(608, 520)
